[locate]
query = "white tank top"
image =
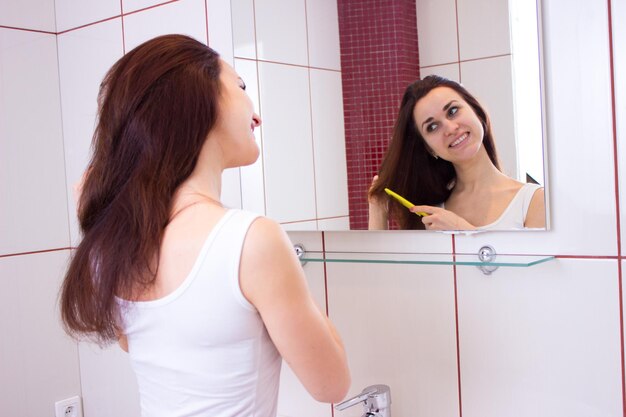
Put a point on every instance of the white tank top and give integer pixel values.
(203, 350)
(514, 216)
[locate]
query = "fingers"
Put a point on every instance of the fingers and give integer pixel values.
(424, 210)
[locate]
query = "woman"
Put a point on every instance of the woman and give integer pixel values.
(206, 300)
(442, 157)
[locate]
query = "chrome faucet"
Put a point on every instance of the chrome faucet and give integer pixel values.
(376, 401)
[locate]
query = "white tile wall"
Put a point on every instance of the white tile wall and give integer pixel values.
(244, 37)
(398, 326)
(541, 342)
(71, 14)
(38, 362)
(32, 169)
(133, 5)
(329, 143)
(252, 182)
(108, 382)
(619, 62)
(323, 34)
(28, 14)
(437, 32)
(281, 31)
(287, 142)
(483, 28)
(581, 174)
(85, 55)
(495, 93)
(220, 28)
(185, 16)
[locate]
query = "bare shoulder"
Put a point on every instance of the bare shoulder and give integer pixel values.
(536, 216)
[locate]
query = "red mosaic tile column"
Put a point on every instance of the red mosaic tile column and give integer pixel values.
(379, 58)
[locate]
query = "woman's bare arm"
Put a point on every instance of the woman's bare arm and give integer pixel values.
(272, 279)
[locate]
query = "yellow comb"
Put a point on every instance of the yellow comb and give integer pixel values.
(406, 203)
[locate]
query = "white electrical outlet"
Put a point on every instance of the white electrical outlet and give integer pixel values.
(69, 407)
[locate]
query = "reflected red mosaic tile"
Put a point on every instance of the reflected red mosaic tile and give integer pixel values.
(379, 58)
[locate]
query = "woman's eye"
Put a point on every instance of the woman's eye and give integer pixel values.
(431, 127)
(242, 85)
(453, 110)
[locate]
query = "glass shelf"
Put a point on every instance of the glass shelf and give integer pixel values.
(522, 261)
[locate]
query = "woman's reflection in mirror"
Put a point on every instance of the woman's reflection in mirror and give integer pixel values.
(442, 157)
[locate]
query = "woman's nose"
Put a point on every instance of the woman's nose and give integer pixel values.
(450, 127)
(256, 120)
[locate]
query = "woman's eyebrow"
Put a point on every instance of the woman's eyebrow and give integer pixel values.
(446, 107)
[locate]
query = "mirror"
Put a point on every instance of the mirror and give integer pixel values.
(326, 125)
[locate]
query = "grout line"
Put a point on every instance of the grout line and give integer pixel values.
(308, 62)
(617, 205)
(28, 30)
(466, 60)
(456, 325)
(258, 89)
(206, 21)
(332, 409)
(149, 7)
(10, 255)
(284, 63)
(65, 161)
(88, 24)
(123, 30)
(458, 40)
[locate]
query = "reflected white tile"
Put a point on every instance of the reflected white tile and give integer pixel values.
(437, 32)
(281, 31)
(450, 71)
(244, 37)
(28, 14)
(252, 182)
(71, 14)
(186, 17)
(495, 93)
(483, 28)
(287, 142)
(329, 143)
(32, 167)
(39, 362)
(323, 34)
(571, 186)
(398, 326)
(337, 223)
(108, 382)
(541, 341)
(85, 55)
(619, 63)
(220, 28)
(231, 188)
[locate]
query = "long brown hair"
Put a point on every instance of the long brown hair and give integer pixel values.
(409, 168)
(156, 106)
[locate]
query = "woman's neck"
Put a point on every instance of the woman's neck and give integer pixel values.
(478, 173)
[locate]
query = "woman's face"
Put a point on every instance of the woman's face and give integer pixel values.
(236, 121)
(449, 125)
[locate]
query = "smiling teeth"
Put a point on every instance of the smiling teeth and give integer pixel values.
(459, 140)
